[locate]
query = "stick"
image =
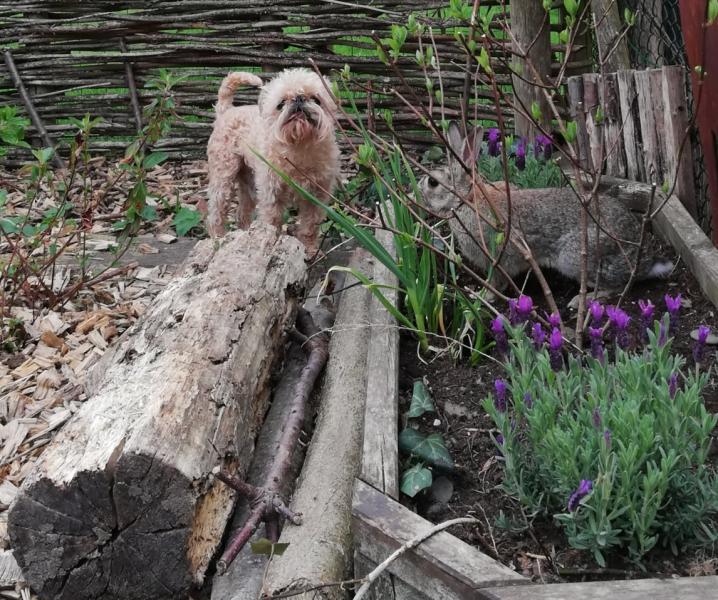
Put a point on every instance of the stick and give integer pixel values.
(30, 107)
(129, 73)
(412, 543)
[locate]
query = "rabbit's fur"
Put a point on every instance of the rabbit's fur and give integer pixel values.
(548, 219)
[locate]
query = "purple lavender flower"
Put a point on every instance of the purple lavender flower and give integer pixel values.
(500, 397)
(674, 306)
(499, 332)
(584, 489)
(597, 418)
(538, 335)
(607, 438)
(597, 351)
(555, 344)
(500, 441)
(619, 320)
(494, 144)
(554, 320)
(524, 306)
(513, 311)
(699, 348)
(543, 145)
(528, 401)
(672, 385)
(596, 309)
(647, 308)
(521, 154)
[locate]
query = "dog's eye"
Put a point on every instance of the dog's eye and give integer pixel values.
(432, 182)
(280, 106)
(316, 100)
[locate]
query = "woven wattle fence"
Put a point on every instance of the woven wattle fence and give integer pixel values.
(85, 57)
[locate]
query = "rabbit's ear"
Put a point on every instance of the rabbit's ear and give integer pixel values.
(456, 140)
(472, 145)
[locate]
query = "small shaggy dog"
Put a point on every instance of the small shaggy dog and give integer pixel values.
(292, 127)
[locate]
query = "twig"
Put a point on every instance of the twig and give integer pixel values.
(412, 543)
(129, 73)
(30, 107)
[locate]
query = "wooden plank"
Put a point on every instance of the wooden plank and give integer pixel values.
(649, 88)
(380, 454)
(608, 25)
(695, 588)
(443, 567)
(612, 126)
(678, 228)
(631, 132)
(578, 114)
(675, 129)
(593, 129)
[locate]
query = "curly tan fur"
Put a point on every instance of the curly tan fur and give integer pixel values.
(292, 127)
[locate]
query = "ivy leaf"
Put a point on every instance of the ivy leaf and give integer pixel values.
(430, 449)
(186, 219)
(154, 159)
(267, 548)
(415, 479)
(420, 400)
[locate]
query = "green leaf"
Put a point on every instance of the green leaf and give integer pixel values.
(536, 111)
(267, 548)
(9, 225)
(571, 131)
(415, 479)
(484, 60)
(430, 449)
(547, 5)
(186, 219)
(43, 155)
(571, 7)
(420, 400)
(149, 213)
(154, 159)
(712, 12)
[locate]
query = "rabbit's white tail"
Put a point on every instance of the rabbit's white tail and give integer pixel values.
(661, 269)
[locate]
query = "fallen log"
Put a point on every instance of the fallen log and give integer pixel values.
(120, 505)
(320, 549)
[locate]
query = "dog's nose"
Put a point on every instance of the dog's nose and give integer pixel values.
(298, 102)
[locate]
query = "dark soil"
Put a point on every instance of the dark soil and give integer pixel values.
(539, 550)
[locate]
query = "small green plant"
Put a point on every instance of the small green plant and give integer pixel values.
(422, 451)
(12, 129)
(615, 450)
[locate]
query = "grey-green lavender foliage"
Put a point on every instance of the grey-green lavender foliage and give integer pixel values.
(615, 450)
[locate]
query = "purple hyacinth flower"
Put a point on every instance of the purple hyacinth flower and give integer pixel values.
(672, 385)
(521, 154)
(619, 320)
(500, 395)
(699, 348)
(555, 344)
(647, 307)
(596, 418)
(597, 351)
(597, 310)
(494, 144)
(538, 335)
(528, 401)
(554, 320)
(543, 145)
(524, 307)
(607, 438)
(584, 489)
(674, 306)
(499, 332)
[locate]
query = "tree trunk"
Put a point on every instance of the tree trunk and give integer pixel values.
(531, 28)
(607, 21)
(119, 505)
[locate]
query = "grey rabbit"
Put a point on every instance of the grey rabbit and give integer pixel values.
(549, 220)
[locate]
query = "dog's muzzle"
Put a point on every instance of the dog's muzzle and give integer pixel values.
(298, 104)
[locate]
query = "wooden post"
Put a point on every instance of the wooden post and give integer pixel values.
(578, 114)
(631, 131)
(612, 126)
(608, 26)
(593, 128)
(649, 87)
(531, 27)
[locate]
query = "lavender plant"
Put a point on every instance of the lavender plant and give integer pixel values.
(615, 451)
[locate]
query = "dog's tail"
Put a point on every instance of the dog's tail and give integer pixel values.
(229, 87)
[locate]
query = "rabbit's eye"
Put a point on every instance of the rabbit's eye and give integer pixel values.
(432, 182)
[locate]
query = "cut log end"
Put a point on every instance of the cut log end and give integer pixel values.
(101, 534)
